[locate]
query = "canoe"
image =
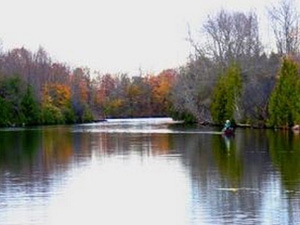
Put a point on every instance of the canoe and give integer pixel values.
(228, 131)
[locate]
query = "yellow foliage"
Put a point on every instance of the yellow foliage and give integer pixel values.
(133, 91)
(56, 94)
(161, 85)
(117, 103)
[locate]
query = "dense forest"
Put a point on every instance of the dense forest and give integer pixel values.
(35, 90)
(229, 75)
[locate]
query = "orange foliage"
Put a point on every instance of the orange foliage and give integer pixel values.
(100, 99)
(56, 94)
(161, 85)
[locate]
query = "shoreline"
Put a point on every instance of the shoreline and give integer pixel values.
(295, 128)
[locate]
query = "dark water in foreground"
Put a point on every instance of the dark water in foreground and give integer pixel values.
(142, 172)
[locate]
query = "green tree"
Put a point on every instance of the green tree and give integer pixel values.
(284, 107)
(5, 115)
(226, 95)
(69, 115)
(87, 115)
(29, 107)
(50, 114)
(12, 91)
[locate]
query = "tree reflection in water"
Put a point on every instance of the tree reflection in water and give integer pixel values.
(285, 155)
(251, 178)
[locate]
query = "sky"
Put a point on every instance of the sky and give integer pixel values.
(113, 36)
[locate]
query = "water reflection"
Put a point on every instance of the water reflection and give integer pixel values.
(143, 172)
(228, 160)
(285, 153)
(18, 147)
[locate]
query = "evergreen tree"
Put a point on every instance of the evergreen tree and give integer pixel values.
(5, 115)
(284, 106)
(29, 107)
(12, 91)
(226, 94)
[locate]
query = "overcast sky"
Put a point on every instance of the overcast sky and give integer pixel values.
(112, 35)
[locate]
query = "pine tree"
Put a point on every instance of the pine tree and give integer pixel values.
(5, 115)
(12, 90)
(226, 95)
(284, 106)
(29, 107)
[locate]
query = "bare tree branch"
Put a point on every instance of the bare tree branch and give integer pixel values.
(285, 24)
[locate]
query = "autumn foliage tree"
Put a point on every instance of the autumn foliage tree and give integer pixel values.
(161, 86)
(209, 88)
(137, 96)
(81, 94)
(50, 92)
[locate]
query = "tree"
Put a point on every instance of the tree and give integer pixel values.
(29, 107)
(12, 91)
(226, 95)
(285, 23)
(227, 38)
(81, 93)
(257, 88)
(56, 104)
(5, 115)
(57, 94)
(230, 37)
(191, 92)
(50, 114)
(284, 107)
(161, 88)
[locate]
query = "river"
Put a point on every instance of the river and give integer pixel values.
(148, 171)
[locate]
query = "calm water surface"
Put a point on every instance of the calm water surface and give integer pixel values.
(147, 171)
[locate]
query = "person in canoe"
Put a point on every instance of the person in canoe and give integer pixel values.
(228, 129)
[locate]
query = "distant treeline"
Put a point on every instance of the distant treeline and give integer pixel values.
(34, 90)
(229, 75)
